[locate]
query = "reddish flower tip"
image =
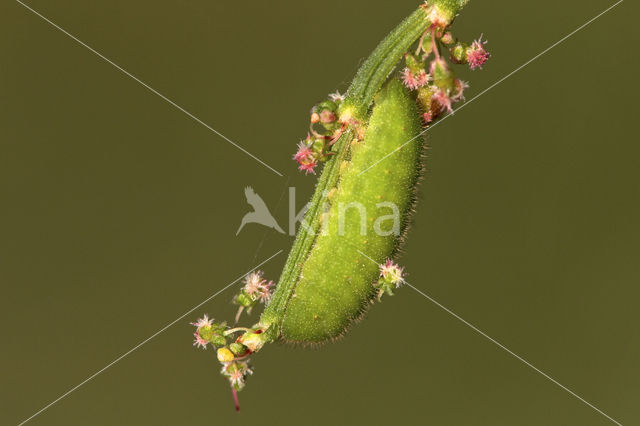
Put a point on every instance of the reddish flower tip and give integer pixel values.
(199, 341)
(391, 272)
(258, 288)
(477, 55)
(415, 81)
(408, 79)
(442, 100)
(308, 167)
(304, 153)
(306, 157)
(461, 86)
(202, 322)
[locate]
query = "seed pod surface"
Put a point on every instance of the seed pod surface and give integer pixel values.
(368, 213)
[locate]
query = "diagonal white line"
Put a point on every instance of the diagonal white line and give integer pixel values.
(503, 347)
(144, 341)
(150, 88)
(496, 83)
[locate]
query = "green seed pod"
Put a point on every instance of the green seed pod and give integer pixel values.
(285, 317)
(336, 283)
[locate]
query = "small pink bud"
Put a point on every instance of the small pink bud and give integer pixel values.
(327, 117)
(447, 38)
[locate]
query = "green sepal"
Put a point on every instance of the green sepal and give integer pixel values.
(243, 299)
(443, 76)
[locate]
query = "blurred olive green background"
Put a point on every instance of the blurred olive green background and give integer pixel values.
(118, 214)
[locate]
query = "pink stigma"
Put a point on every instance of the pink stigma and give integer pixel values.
(308, 167)
(477, 55)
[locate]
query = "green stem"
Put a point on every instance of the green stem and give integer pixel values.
(376, 69)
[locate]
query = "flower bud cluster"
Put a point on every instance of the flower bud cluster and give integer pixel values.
(255, 290)
(391, 277)
(234, 352)
(434, 80)
(325, 129)
(233, 356)
(236, 372)
(209, 332)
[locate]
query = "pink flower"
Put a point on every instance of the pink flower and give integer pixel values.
(427, 117)
(460, 88)
(304, 153)
(199, 341)
(202, 322)
(236, 372)
(265, 292)
(258, 288)
(443, 101)
(391, 272)
(308, 167)
(236, 378)
(412, 81)
(306, 157)
(409, 80)
(253, 283)
(476, 54)
(423, 78)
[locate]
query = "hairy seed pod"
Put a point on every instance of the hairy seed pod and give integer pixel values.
(367, 212)
(285, 317)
